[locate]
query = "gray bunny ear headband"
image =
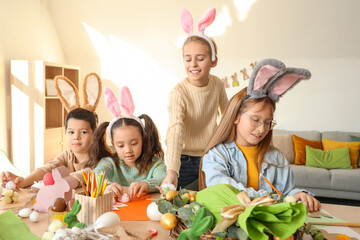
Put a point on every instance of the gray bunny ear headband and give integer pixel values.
(271, 78)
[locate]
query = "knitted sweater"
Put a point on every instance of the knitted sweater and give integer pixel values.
(192, 118)
(125, 175)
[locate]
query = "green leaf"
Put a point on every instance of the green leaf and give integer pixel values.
(178, 202)
(185, 213)
(232, 232)
(241, 234)
(165, 206)
(182, 191)
(185, 200)
(221, 234)
(188, 223)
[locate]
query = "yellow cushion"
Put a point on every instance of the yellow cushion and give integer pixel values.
(300, 148)
(353, 146)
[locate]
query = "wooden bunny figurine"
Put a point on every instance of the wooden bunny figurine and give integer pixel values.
(62, 188)
(71, 218)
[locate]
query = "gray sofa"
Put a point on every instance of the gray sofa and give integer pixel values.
(333, 183)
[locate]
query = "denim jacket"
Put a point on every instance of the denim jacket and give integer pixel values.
(225, 163)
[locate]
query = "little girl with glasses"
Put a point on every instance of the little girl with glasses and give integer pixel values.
(240, 152)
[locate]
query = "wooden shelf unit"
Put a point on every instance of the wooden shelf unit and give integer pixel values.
(52, 139)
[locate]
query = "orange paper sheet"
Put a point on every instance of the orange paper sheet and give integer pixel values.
(135, 210)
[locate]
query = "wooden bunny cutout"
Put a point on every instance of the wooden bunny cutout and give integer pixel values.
(69, 94)
(62, 188)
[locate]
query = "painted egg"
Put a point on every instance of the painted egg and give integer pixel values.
(48, 179)
(291, 199)
(153, 213)
(125, 198)
(25, 212)
(107, 219)
(10, 185)
(34, 216)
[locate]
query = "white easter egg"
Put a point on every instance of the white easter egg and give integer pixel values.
(168, 185)
(76, 231)
(10, 185)
(25, 212)
(108, 219)
(153, 213)
(291, 199)
(62, 233)
(47, 236)
(34, 217)
(55, 225)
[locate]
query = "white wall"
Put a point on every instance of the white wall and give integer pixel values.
(133, 43)
(139, 38)
(27, 32)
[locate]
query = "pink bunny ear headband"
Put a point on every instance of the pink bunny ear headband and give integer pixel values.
(186, 22)
(270, 78)
(125, 103)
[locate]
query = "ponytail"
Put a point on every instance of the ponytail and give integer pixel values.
(98, 148)
(151, 145)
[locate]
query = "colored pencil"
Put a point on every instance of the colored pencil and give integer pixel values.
(347, 224)
(271, 185)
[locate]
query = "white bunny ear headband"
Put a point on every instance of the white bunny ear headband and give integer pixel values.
(270, 78)
(69, 95)
(124, 108)
(186, 22)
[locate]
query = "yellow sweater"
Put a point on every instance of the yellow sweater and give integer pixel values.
(251, 156)
(192, 118)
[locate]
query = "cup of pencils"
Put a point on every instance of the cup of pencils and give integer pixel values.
(94, 186)
(93, 201)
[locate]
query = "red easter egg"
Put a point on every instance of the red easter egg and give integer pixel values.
(48, 179)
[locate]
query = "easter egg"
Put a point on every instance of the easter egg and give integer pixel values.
(10, 185)
(34, 217)
(48, 179)
(168, 221)
(291, 199)
(108, 219)
(58, 205)
(153, 213)
(124, 198)
(170, 195)
(25, 212)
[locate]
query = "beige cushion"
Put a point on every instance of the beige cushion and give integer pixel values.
(285, 145)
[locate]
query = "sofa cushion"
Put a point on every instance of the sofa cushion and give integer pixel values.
(332, 159)
(354, 138)
(310, 135)
(300, 150)
(339, 136)
(345, 180)
(285, 145)
(311, 177)
(353, 146)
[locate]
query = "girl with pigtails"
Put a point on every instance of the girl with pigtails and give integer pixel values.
(138, 158)
(240, 152)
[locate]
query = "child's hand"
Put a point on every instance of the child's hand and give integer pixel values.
(137, 188)
(310, 202)
(116, 189)
(171, 177)
(8, 176)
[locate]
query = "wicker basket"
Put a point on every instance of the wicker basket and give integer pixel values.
(174, 233)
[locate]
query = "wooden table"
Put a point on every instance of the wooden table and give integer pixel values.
(346, 213)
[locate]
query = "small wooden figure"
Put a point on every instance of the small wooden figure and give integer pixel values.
(235, 82)
(252, 65)
(225, 80)
(244, 73)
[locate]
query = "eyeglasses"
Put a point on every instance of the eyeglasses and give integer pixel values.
(257, 123)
